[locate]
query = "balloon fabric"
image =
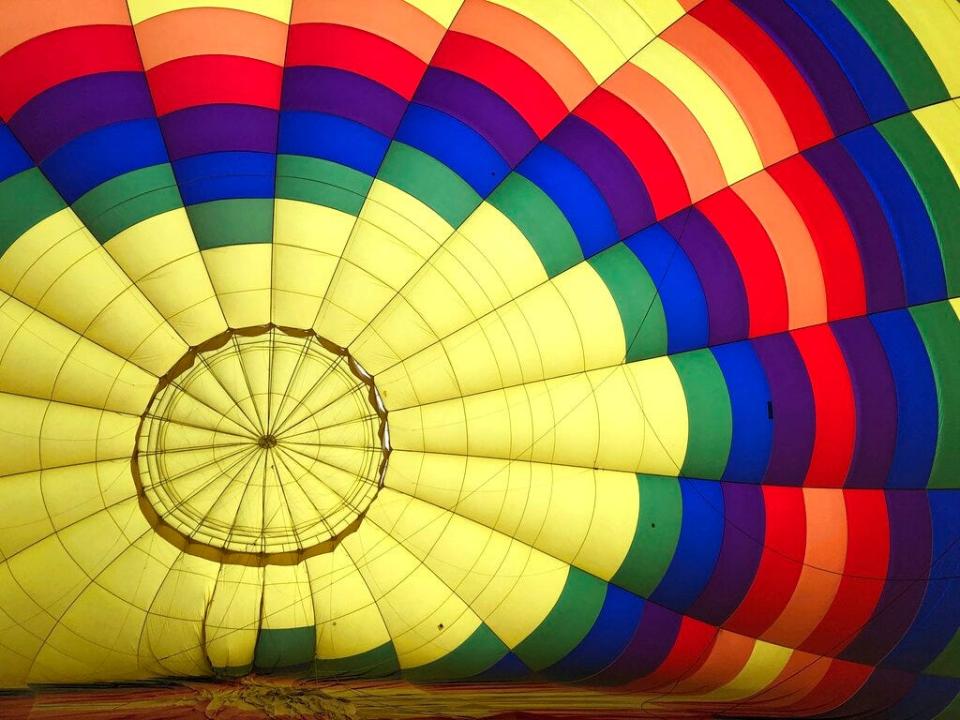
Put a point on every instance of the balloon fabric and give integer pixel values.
(480, 358)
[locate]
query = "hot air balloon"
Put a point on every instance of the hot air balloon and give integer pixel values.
(479, 358)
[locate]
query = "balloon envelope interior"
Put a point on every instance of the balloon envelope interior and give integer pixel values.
(445, 357)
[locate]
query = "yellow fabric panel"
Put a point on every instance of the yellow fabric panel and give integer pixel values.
(512, 497)
(73, 493)
(602, 35)
(141, 10)
(36, 434)
(224, 383)
(484, 265)
(286, 507)
(48, 580)
(519, 597)
(209, 490)
(182, 294)
(138, 249)
(233, 617)
(23, 517)
(24, 608)
(170, 273)
(942, 123)
(234, 504)
(343, 435)
(393, 237)
(44, 359)
(96, 541)
(724, 126)
(241, 278)
(293, 500)
(616, 506)
(173, 633)
(150, 558)
(766, 663)
(321, 401)
(626, 418)
(955, 304)
(337, 469)
(27, 268)
(88, 592)
(186, 413)
(254, 361)
(581, 516)
(399, 225)
(97, 529)
(510, 586)
(208, 394)
(413, 601)
(304, 259)
(564, 326)
(658, 14)
(502, 263)
(595, 314)
(937, 26)
(286, 597)
(65, 499)
(336, 401)
(347, 619)
(443, 11)
(18, 643)
(100, 632)
(153, 344)
(59, 268)
(300, 278)
(51, 662)
(397, 383)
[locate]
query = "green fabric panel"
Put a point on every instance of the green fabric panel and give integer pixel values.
(948, 661)
(322, 182)
(477, 653)
(232, 222)
(566, 624)
(898, 50)
(25, 199)
(122, 202)
(540, 221)
(940, 330)
(641, 311)
(709, 417)
(285, 647)
(430, 181)
(936, 186)
(381, 661)
(655, 539)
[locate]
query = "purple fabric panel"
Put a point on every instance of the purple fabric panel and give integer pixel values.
(793, 414)
(220, 128)
(58, 115)
(344, 94)
(719, 274)
(647, 649)
(827, 80)
(910, 557)
(878, 250)
(609, 169)
(743, 534)
(481, 109)
(883, 690)
(875, 400)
